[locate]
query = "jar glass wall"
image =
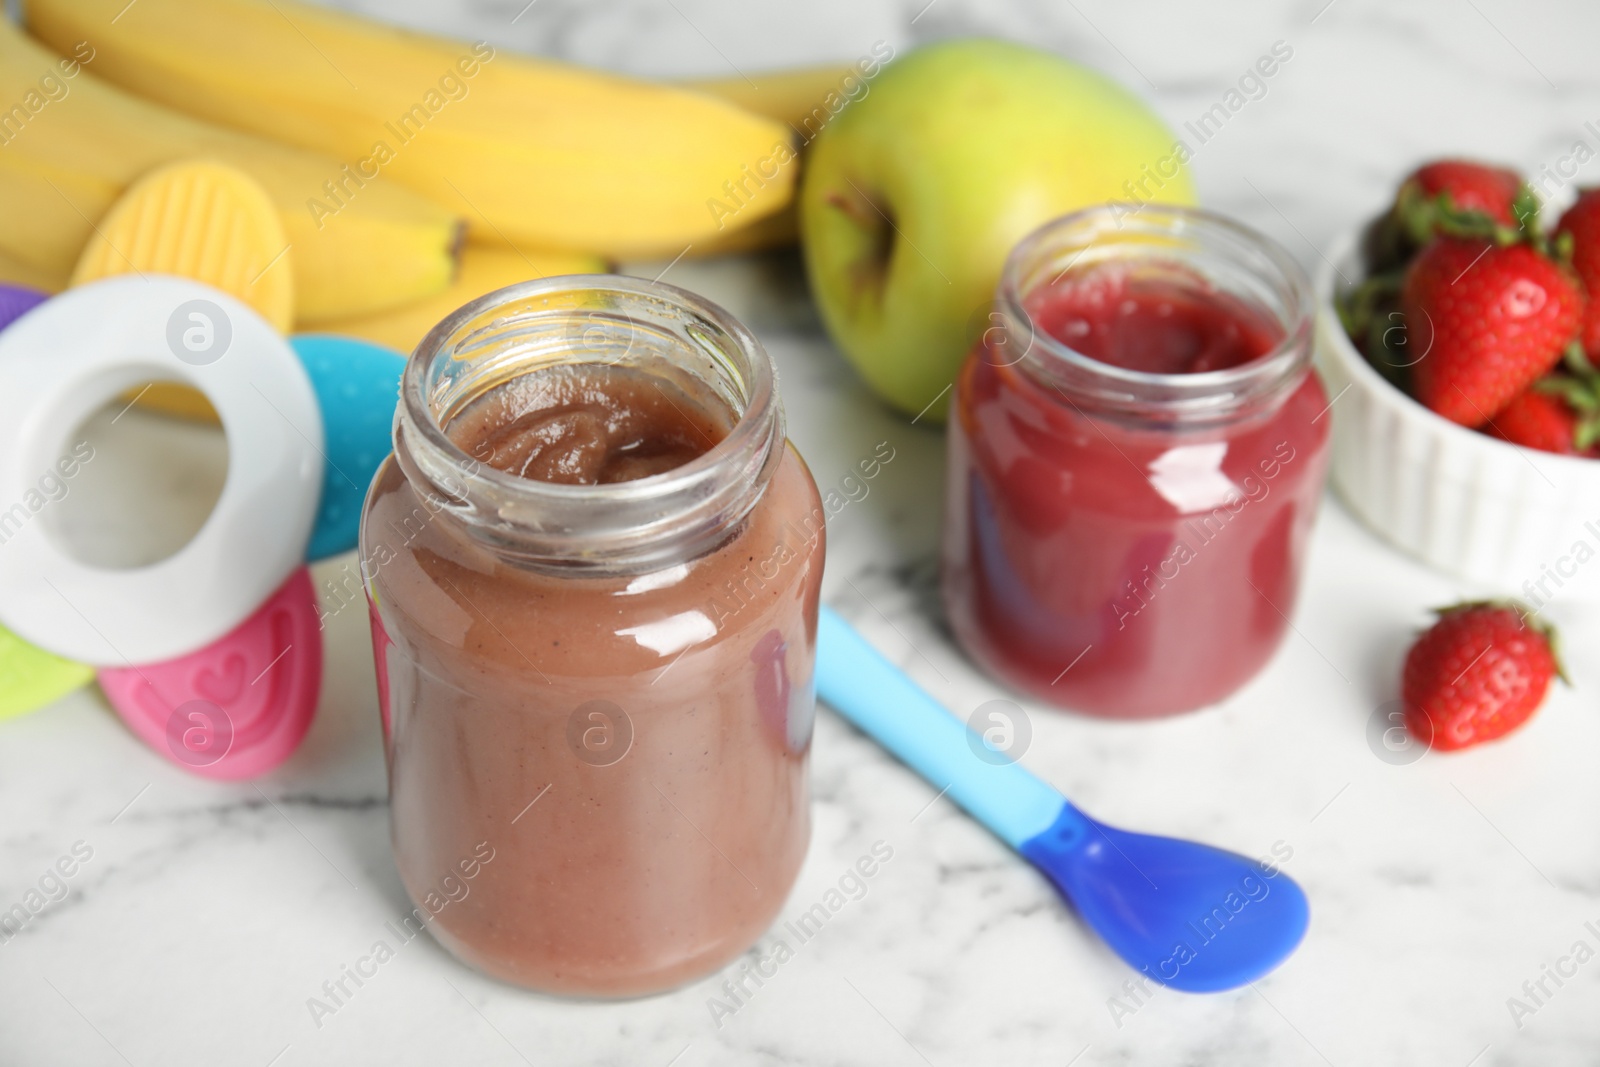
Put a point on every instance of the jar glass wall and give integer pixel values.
(597, 698)
(1136, 454)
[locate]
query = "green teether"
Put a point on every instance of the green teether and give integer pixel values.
(30, 677)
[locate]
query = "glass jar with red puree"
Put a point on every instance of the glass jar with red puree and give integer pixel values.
(593, 563)
(1136, 453)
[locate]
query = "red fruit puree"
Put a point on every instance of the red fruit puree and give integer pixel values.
(1114, 559)
(1155, 322)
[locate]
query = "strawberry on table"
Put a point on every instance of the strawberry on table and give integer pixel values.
(1581, 225)
(1477, 674)
(1491, 319)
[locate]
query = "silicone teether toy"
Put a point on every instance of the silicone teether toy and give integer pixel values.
(30, 677)
(225, 679)
(263, 675)
(202, 220)
(1188, 915)
(214, 655)
(62, 361)
(15, 300)
(356, 384)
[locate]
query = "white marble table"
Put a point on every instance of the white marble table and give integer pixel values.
(206, 915)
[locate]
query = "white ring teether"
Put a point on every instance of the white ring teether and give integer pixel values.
(64, 360)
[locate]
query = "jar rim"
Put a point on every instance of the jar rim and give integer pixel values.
(1182, 397)
(625, 518)
(760, 399)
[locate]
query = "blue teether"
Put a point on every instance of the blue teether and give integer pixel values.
(1188, 915)
(357, 384)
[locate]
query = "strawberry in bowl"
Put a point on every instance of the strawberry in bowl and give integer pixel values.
(1448, 195)
(1466, 304)
(1490, 320)
(1580, 227)
(1456, 340)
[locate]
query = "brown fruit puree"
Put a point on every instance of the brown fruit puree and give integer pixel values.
(633, 746)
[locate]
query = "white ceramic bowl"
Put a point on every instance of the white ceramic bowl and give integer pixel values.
(1512, 520)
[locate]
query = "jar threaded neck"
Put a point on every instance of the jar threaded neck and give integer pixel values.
(608, 320)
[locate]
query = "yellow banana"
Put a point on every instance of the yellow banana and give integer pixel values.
(803, 99)
(14, 271)
(70, 144)
(527, 151)
(483, 270)
(775, 231)
(792, 97)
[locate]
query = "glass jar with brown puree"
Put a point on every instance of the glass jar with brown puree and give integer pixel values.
(593, 563)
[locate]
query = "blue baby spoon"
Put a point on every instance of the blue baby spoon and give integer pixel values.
(1188, 915)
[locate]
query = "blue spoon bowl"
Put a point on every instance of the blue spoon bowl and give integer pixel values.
(1189, 916)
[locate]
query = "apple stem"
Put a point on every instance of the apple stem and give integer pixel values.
(861, 213)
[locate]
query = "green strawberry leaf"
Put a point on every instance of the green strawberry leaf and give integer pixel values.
(1587, 433)
(1525, 209)
(1578, 395)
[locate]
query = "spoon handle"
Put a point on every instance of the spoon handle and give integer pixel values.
(858, 683)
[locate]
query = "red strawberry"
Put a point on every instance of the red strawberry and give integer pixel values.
(1581, 224)
(1477, 674)
(1485, 321)
(1537, 420)
(1467, 186)
(1455, 197)
(1559, 413)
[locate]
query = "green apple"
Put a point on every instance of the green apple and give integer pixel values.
(914, 193)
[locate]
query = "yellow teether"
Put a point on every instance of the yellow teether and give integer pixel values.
(202, 220)
(482, 270)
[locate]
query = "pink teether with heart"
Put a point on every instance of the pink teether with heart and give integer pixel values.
(237, 707)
